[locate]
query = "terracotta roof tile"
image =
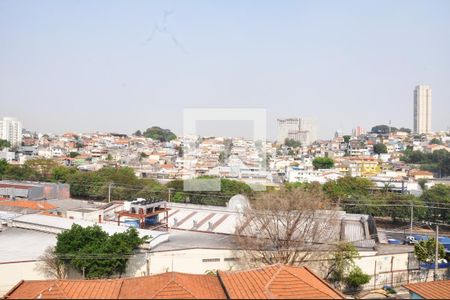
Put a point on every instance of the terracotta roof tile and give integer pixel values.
(277, 281)
(29, 289)
(431, 290)
(265, 283)
(173, 285)
(37, 205)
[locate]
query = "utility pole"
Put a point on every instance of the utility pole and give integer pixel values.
(170, 193)
(109, 192)
(436, 253)
(412, 218)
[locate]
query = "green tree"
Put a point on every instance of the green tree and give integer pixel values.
(381, 129)
(292, 143)
(229, 188)
(323, 163)
(88, 185)
(425, 251)
(356, 278)
(3, 167)
(142, 156)
(92, 251)
(342, 262)
(157, 133)
(41, 167)
(348, 188)
(222, 157)
(435, 141)
(347, 138)
(4, 144)
(62, 173)
(403, 129)
(138, 133)
(152, 190)
(398, 208)
(73, 154)
(17, 172)
(437, 162)
(437, 197)
(380, 148)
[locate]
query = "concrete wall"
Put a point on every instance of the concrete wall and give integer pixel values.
(12, 273)
(92, 216)
(195, 261)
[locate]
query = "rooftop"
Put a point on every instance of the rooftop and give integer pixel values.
(182, 240)
(276, 281)
(35, 205)
(18, 244)
(431, 290)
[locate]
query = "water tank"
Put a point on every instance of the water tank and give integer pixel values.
(131, 223)
(153, 220)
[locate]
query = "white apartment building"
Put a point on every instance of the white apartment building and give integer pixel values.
(11, 130)
(422, 109)
(298, 129)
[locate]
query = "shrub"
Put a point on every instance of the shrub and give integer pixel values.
(356, 278)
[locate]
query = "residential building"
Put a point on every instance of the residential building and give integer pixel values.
(422, 109)
(298, 129)
(11, 130)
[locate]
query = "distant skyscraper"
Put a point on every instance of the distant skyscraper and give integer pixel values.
(358, 131)
(298, 129)
(11, 130)
(422, 109)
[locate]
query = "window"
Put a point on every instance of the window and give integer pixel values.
(231, 259)
(211, 260)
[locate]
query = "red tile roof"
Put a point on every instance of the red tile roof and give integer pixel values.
(173, 285)
(37, 205)
(431, 290)
(277, 281)
(265, 283)
(163, 286)
(16, 186)
(66, 289)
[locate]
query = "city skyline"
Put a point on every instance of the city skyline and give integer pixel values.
(299, 59)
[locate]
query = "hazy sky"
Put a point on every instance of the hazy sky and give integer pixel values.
(126, 65)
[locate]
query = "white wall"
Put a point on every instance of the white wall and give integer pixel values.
(12, 273)
(195, 261)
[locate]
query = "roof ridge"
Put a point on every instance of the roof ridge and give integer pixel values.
(287, 269)
(47, 289)
(324, 281)
(154, 275)
(266, 287)
(172, 280)
(253, 269)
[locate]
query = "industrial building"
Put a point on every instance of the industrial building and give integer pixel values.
(33, 190)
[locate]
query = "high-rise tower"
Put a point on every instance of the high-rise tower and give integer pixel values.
(11, 130)
(422, 109)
